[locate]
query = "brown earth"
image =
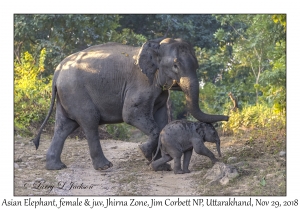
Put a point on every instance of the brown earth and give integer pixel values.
(262, 170)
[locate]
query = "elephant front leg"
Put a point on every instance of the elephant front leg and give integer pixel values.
(89, 124)
(160, 117)
(147, 118)
(201, 149)
(186, 161)
(149, 147)
(99, 160)
(145, 123)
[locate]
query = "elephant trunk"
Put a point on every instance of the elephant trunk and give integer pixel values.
(190, 87)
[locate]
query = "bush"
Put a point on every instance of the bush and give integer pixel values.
(253, 117)
(118, 131)
(178, 105)
(32, 93)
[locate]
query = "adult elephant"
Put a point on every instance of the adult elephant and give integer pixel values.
(114, 83)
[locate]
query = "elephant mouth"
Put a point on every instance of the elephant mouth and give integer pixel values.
(175, 86)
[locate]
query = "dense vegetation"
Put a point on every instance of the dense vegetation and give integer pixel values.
(244, 55)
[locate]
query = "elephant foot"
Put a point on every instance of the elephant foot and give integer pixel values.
(163, 167)
(215, 160)
(52, 165)
(146, 150)
(178, 171)
(187, 171)
(104, 166)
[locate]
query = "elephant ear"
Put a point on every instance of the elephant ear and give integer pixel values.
(148, 58)
(200, 129)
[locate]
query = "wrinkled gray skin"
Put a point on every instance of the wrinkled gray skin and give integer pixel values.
(180, 137)
(114, 83)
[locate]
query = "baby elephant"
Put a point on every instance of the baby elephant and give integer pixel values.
(181, 136)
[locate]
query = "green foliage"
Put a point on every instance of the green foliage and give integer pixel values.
(209, 67)
(197, 29)
(251, 57)
(63, 34)
(178, 105)
(263, 182)
(254, 117)
(118, 131)
(32, 92)
(214, 99)
(127, 36)
(207, 98)
(281, 19)
(274, 81)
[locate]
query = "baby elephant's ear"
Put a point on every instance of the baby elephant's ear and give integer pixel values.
(200, 128)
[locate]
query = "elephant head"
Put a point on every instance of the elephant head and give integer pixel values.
(208, 133)
(176, 63)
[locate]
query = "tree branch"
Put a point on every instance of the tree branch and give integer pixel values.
(234, 101)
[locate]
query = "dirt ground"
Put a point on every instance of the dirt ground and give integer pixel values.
(261, 168)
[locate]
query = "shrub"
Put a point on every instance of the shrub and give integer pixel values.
(253, 117)
(118, 131)
(32, 93)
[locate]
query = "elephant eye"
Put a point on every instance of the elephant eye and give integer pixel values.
(175, 66)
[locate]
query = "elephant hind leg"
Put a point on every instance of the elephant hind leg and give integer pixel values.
(177, 165)
(186, 161)
(161, 162)
(63, 127)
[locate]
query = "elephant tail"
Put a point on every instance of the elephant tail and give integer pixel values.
(158, 146)
(36, 140)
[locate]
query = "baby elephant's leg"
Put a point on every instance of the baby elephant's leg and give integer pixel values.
(177, 165)
(206, 152)
(165, 158)
(186, 160)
